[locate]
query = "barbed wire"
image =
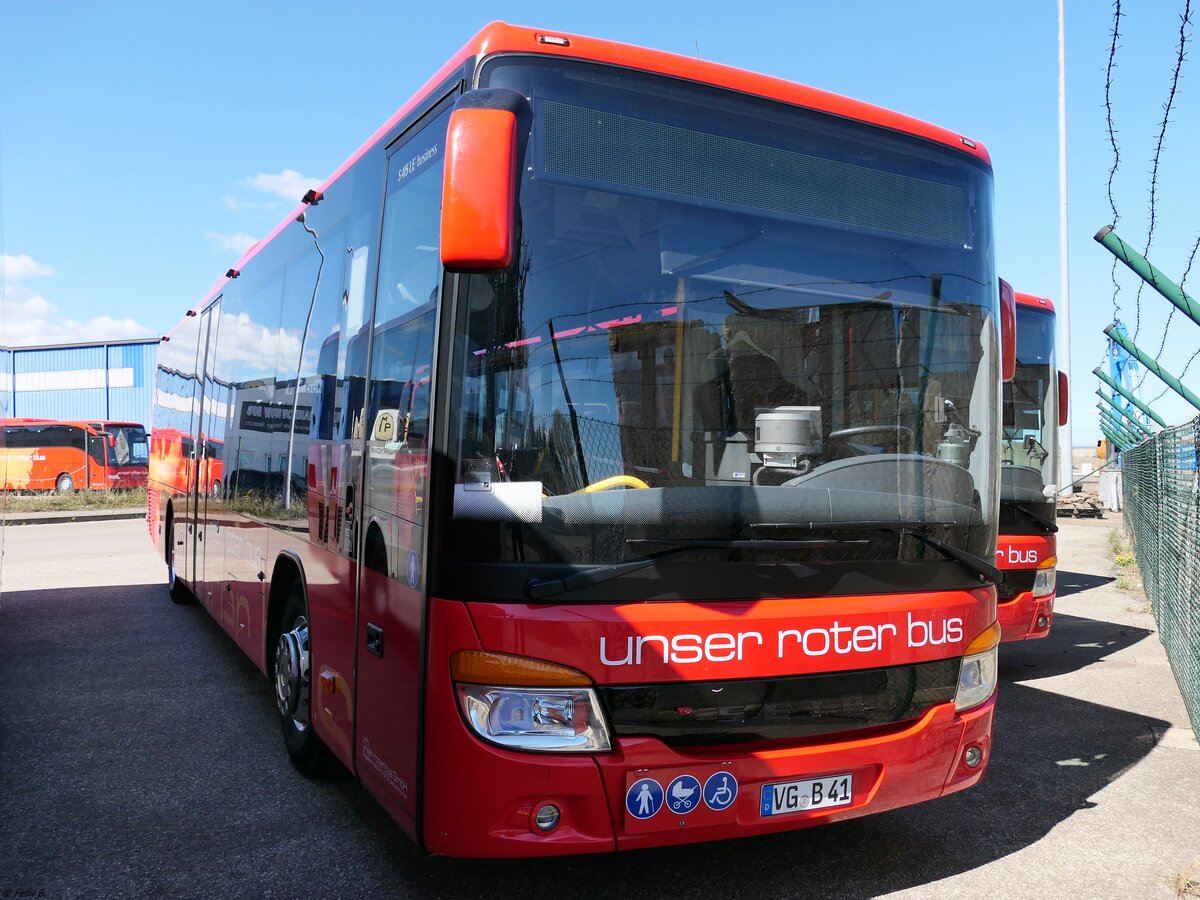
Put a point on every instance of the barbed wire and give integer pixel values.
(1184, 21)
(1112, 140)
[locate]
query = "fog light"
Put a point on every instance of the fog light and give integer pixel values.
(1042, 622)
(546, 818)
(973, 757)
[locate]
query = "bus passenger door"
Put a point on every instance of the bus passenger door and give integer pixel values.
(210, 557)
(391, 602)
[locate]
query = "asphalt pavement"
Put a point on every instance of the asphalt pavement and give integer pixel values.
(140, 755)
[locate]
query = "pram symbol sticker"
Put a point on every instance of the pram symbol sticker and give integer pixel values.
(644, 798)
(683, 794)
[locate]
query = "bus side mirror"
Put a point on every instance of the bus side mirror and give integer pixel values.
(479, 190)
(1008, 332)
(1064, 404)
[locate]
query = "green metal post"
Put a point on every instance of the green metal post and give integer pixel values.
(1112, 434)
(1113, 439)
(1150, 363)
(1103, 376)
(1148, 273)
(1126, 419)
(1117, 427)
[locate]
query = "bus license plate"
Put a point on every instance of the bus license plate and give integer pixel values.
(802, 796)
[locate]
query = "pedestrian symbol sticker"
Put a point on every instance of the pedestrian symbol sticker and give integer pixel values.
(644, 798)
(683, 794)
(414, 568)
(720, 791)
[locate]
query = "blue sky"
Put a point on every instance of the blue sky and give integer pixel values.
(144, 145)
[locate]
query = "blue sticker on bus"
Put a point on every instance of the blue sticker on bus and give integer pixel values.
(683, 794)
(644, 798)
(414, 568)
(720, 791)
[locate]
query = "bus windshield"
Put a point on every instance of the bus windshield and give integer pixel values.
(731, 321)
(130, 442)
(1029, 445)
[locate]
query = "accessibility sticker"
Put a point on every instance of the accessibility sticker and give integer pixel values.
(720, 791)
(414, 568)
(644, 798)
(683, 794)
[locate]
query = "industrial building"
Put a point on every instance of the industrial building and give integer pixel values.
(105, 380)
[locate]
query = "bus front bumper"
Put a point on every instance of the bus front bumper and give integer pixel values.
(1025, 617)
(490, 798)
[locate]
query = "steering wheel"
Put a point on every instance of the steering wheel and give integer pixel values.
(904, 435)
(615, 481)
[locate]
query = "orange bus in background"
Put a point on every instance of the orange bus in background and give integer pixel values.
(43, 455)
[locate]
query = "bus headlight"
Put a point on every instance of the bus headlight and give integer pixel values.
(978, 671)
(528, 704)
(1046, 579)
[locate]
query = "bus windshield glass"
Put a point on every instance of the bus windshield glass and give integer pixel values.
(733, 325)
(130, 442)
(1029, 445)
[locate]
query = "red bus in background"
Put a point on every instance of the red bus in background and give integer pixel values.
(666, 516)
(45, 455)
(131, 449)
(1035, 407)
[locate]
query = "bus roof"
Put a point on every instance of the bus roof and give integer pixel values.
(499, 37)
(1035, 302)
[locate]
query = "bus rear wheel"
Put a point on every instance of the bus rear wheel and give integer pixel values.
(65, 484)
(293, 688)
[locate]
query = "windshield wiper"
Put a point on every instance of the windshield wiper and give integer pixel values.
(916, 529)
(540, 588)
(1051, 527)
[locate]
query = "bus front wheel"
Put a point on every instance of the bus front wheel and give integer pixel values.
(65, 484)
(293, 688)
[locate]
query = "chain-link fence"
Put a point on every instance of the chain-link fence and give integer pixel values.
(1162, 509)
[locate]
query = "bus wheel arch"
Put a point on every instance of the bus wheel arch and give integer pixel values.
(175, 587)
(289, 667)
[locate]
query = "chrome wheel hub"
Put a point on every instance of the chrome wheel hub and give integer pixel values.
(291, 673)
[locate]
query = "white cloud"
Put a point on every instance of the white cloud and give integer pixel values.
(240, 205)
(29, 319)
(288, 184)
(237, 243)
(16, 268)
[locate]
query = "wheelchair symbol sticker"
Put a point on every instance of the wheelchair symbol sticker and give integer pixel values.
(683, 794)
(720, 791)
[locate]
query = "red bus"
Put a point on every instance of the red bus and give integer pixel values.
(612, 455)
(131, 449)
(45, 455)
(1035, 407)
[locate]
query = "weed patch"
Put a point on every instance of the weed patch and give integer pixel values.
(48, 501)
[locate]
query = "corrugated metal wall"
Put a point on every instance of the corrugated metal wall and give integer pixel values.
(113, 381)
(6, 396)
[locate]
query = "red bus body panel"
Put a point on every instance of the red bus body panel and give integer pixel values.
(1019, 615)
(890, 764)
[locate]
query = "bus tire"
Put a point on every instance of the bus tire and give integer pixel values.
(65, 484)
(176, 588)
(292, 677)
